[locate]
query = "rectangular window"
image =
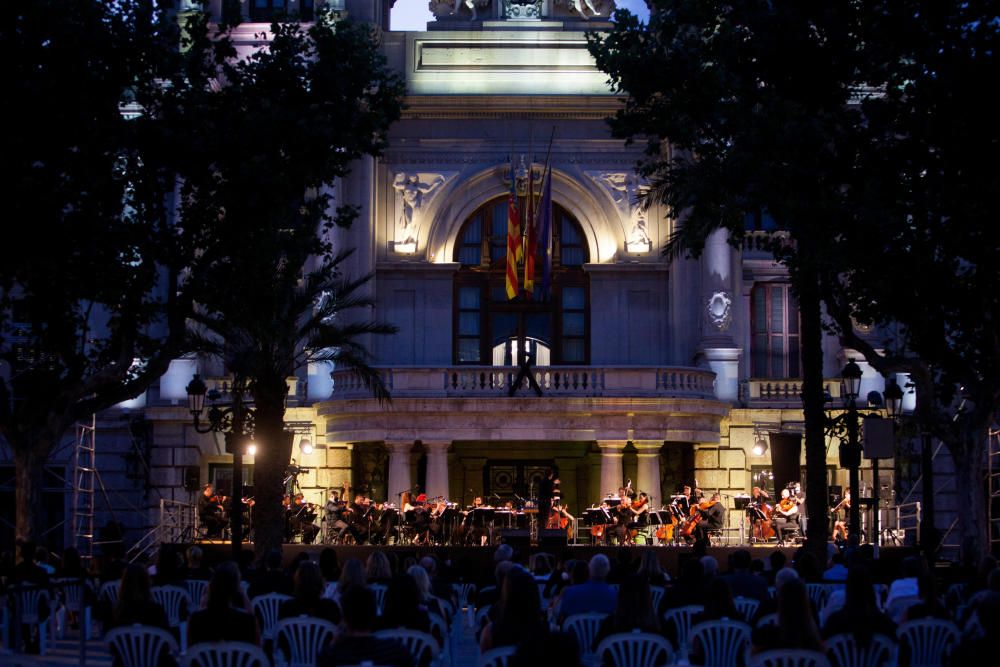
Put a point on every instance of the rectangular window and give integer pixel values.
(574, 325)
(774, 338)
(469, 324)
(221, 476)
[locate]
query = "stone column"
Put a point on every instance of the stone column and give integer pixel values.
(719, 301)
(437, 467)
(399, 469)
(649, 468)
(611, 465)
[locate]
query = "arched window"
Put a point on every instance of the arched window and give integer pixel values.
(492, 330)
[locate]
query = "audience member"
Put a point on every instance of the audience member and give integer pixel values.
(135, 601)
(195, 567)
(634, 610)
(689, 589)
(378, 569)
(272, 578)
(742, 581)
(860, 615)
(356, 644)
(353, 574)
(837, 572)
(226, 616)
(308, 597)
(329, 566)
(796, 628)
(519, 614)
(402, 608)
(592, 596)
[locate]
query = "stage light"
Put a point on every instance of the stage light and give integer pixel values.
(760, 447)
(305, 445)
(252, 448)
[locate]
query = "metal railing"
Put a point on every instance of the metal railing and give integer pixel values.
(901, 524)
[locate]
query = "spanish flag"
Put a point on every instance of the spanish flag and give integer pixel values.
(514, 251)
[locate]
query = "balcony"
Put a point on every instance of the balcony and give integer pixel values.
(554, 381)
(780, 393)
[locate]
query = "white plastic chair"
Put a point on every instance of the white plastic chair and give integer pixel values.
(635, 649)
(747, 607)
(417, 643)
(439, 628)
(844, 651)
(930, 640)
(817, 594)
(304, 638)
(898, 607)
(498, 657)
(681, 619)
(174, 599)
(140, 645)
(482, 616)
(227, 654)
(379, 591)
(196, 592)
(29, 602)
(330, 590)
(486, 589)
(447, 608)
(584, 629)
(73, 601)
(767, 619)
(722, 642)
(657, 593)
(109, 592)
(789, 658)
(463, 592)
(265, 607)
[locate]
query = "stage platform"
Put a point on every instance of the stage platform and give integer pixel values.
(479, 560)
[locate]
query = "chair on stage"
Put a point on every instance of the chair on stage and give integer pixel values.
(634, 649)
(722, 642)
(583, 628)
(929, 640)
(681, 620)
(177, 604)
(196, 591)
(845, 651)
(417, 643)
(303, 638)
(140, 645)
(227, 654)
(789, 658)
(265, 607)
(747, 607)
(498, 657)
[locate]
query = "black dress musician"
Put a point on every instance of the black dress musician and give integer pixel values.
(546, 491)
(713, 518)
(360, 515)
(302, 518)
(210, 512)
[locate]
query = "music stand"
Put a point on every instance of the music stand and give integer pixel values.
(741, 502)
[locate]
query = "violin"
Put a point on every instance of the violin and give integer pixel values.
(786, 505)
(639, 503)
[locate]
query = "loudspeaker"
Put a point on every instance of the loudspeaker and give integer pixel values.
(548, 540)
(192, 478)
(878, 438)
(518, 538)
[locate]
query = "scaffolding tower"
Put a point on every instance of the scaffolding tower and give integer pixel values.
(994, 488)
(84, 479)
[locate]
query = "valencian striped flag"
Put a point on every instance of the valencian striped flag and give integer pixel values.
(514, 251)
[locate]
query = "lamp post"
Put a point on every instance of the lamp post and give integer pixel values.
(235, 421)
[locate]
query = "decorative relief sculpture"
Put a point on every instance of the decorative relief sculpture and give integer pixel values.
(582, 6)
(720, 310)
(522, 9)
(625, 190)
(413, 191)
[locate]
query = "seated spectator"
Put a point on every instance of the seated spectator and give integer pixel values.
(169, 567)
(593, 596)
(718, 605)
(272, 578)
(796, 628)
(135, 601)
(633, 612)
(71, 565)
(807, 567)
(329, 566)
(649, 568)
(689, 589)
(776, 560)
(308, 597)
(930, 605)
(744, 583)
(519, 614)
(837, 572)
(353, 574)
(860, 615)
(424, 593)
(710, 566)
(196, 569)
(356, 644)
(440, 587)
(42, 559)
(227, 615)
(578, 574)
(907, 585)
(490, 596)
(378, 570)
(402, 608)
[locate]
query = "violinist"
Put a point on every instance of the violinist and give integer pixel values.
(713, 516)
(786, 514)
(839, 512)
(210, 512)
(639, 515)
(302, 517)
(546, 492)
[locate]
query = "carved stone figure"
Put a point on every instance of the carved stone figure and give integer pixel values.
(638, 239)
(720, 310)
(582, 6)
(412, 192)
(441, 8)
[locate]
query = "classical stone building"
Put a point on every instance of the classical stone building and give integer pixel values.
(662, 373)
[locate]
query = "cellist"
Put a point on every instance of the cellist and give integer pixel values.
(713, 515)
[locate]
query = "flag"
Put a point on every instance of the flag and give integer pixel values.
(530, 236)
(544, 222)
(514, 250)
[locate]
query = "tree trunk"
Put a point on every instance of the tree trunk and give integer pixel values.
(812, 408)
(29, 464)
(968, 455)
(274, 450)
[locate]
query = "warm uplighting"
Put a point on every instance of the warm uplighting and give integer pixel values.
(306, 445)
(252, 449)
(760, 446)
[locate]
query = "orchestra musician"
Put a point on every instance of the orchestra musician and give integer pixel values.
(546, 492)
(759, 511)
(210, 512)
(713, 515)
(301, 519)
(840, 515)
(786, 515)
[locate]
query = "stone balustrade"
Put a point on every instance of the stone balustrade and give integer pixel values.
(782, 391)
(568, 381)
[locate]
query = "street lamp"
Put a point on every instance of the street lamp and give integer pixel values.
(235, 421)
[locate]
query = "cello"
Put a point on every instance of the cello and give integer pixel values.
(687, 530)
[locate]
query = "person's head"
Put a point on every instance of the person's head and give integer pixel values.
(224, 587)
(795, 617)
(741, 559)
(785, 493)
(378, 567)
(635, 604)
(519, 606)
(719, 600)
(353, 574)
(777, 559)
(649, 563)
(272, 561)
(755, 491)
(686, 490)
(358, 606)
(501, 570)
(710, 565)
(430, 565)
(692, 572)
(549, 474)
(503, 552)
(135, 585)
(329, 566)
(423, 582)
(807, 567)
(579, 572)
(599, 567)
(402, 597)
(785, 575)
(716, 497)
(194, 556)
(308, 582)
(859, 602)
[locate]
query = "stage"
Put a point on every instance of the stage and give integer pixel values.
(473, 563)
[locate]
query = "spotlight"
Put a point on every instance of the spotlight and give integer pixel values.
(252, 449)
(760, 447)
(305, 445)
